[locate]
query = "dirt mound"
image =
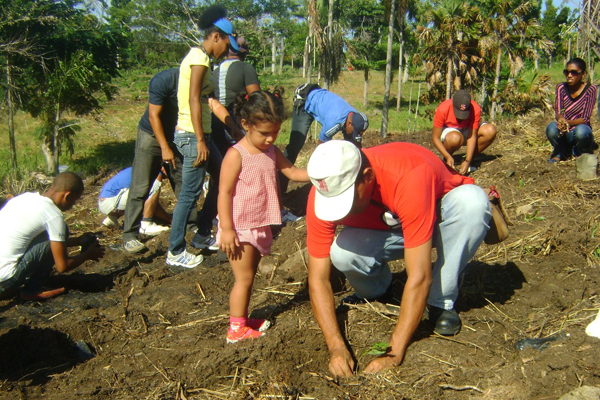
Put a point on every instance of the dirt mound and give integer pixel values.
(159, 332)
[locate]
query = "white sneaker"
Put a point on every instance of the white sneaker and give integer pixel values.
(111, 221)
(133, 246)
(184, 259)
(287, 217)
(152, 229)
(593, 329)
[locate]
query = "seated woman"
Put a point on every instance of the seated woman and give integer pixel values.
(571, 133)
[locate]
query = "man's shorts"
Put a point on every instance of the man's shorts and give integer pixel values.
(464, 132)
(118, 202)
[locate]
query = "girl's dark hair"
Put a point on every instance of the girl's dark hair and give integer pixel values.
(579, 62)
(261, 106)
(211, 15)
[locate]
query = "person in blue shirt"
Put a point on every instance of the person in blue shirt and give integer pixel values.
(331, 111)
(113, 200)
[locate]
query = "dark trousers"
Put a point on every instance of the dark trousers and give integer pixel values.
(32, 269)
(301, 121)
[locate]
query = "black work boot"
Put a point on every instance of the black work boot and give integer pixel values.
(444, 322)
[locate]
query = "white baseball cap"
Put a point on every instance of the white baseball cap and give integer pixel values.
(333, 168)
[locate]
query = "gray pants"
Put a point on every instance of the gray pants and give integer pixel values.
(147, 163)
(463, 221)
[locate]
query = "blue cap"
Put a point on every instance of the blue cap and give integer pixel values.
(227, 27)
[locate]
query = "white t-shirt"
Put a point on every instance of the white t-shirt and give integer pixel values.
(22, 219)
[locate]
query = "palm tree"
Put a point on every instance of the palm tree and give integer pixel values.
(451, 26)
(509, 31)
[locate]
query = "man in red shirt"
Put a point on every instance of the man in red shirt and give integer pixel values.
(395, 201)
(457, 121)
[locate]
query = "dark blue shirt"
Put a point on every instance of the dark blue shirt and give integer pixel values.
(163, 92)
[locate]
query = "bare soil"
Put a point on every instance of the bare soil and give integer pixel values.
(159, 333)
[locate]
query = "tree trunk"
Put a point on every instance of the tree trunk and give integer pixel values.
(273, 54)
(306, 56)
(281, 54)
(400, 55)
(366, 91)
(449, 78)
(329, 41)
(11, 119)
(496, 84)
(49, 156)
(482, 96)
(405, 75)
(388, 72)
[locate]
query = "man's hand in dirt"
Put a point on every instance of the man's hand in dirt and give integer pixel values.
(384, 362)
(450, 162)
(464, 167)
(95, 252)
(341, 363)
(168, 156)
(229, 243)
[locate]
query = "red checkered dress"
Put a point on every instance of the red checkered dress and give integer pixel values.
(255, 197)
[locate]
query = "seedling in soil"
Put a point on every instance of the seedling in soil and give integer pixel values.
(534, 217)
(376, 349)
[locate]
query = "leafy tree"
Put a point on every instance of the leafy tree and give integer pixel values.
(365, 18)
(61, 32)
(553, 24)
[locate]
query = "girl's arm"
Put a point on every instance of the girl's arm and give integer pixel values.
(196, 78)
(230, 171)
(287, 168)
(223, 115)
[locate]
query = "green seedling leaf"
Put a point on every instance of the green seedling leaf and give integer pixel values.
(377, 349)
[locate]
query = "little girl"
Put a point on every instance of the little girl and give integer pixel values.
(249, 203)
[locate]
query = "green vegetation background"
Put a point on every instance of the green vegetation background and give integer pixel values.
(106, 141)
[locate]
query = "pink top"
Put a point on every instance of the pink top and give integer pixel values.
(255, 197)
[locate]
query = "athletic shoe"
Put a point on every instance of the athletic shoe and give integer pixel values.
(287, 217)
(111, 221)
(184, 259)
(471, 169)
(260, 325)
(152, 228)
(242, 333)
(133, 246)
(204, 242)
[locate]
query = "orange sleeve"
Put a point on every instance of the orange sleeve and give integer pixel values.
(439, 119)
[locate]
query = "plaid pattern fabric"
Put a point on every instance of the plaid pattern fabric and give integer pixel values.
(255, 197)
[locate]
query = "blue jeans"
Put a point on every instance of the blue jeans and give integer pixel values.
(191, 186)
(463, 221)
(33, 268)
(577, 141)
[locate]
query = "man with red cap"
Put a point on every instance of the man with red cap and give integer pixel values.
(396, 200)
(458, 121)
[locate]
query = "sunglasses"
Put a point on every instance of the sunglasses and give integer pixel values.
(574, 72)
